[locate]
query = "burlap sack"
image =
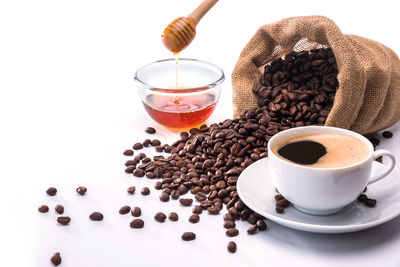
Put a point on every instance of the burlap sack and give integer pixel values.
(368, 96)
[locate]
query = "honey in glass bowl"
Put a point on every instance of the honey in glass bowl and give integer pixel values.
(179, 106)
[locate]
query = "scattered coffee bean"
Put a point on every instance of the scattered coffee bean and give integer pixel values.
(231, 247)
(136, 212)
(96, 216)
(155, 142)
(150, 130)
(278, 197)
(130, 169)
(175, 194)
(252, 230)
(229, 224)
(137, 146)
(164, 197)
(138, 173)
(197, 209)
(145, 191)
(369, 202)
(186, 201)
(262, 226)
(362, 197)
(146, 142)
(213, 210)
(194, 218)
(228, 217)
(160, 217)
(283, 203)
(128, 152)
(43, 209)
(56, 259)
(137, 223)
(173, 216)
(387, 134)
(146, 160)
(59, 209)
(81, 190)
(52, 191)
(64, 220)
(188, 236)
(131, 190)
(279, 209)
(124, 210)
(231, 232)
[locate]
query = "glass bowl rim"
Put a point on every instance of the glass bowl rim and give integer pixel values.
(189, 90)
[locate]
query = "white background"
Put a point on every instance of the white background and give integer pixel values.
(68, 108)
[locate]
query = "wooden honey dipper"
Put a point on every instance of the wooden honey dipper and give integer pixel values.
(181, 31)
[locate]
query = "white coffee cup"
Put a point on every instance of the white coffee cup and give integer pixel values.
(323, 191)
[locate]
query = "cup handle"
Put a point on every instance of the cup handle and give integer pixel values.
(387, 170)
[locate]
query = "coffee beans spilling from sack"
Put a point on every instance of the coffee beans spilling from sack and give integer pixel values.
(299, 89)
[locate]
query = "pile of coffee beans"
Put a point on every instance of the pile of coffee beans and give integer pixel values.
(281, 203)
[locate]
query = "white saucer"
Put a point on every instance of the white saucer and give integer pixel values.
(257, 192)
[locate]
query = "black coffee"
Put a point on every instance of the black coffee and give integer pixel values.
(302, 152)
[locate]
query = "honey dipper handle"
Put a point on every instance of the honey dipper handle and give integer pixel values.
(202, 9)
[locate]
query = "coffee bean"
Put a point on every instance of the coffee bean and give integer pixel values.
(136, 212)
(188, 236)
(146, 142)
(158, 185)
(96, 216)
(262, 226)
(155, 142)
(231, 247)
(278, 197)
(150, 130)
(194, 218)
(186, 201)
(175, 194)
(145, 191)
(160, 217)
(283, 203)
(128, 152)
(279, 209)
(369, 202)
(131, 190)
(138, 173)
(146, 160)
(137, 223)
(213, 210)
(387, 134)
(228, 217)
(56, 259)
(130, 169)
(231, 232)
(59, 209)
(197, 209)
(52, 191)
(124, 210)
(81, 190)
(252, 230)
(173, 216)
(164, 197)
(43, 209)
(137, 146)
(362, 197)
(64, 220)
(229, 224)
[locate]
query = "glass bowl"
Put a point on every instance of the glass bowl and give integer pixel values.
(179, 95)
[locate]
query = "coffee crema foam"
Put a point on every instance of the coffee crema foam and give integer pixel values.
(341, 150)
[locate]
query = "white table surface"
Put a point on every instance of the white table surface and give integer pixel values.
(68, 108)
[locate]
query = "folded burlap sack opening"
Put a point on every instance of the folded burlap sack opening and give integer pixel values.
(368, 96)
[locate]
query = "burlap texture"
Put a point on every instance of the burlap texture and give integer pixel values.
(368, 97)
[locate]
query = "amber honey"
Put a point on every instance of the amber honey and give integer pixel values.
(180, 111)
